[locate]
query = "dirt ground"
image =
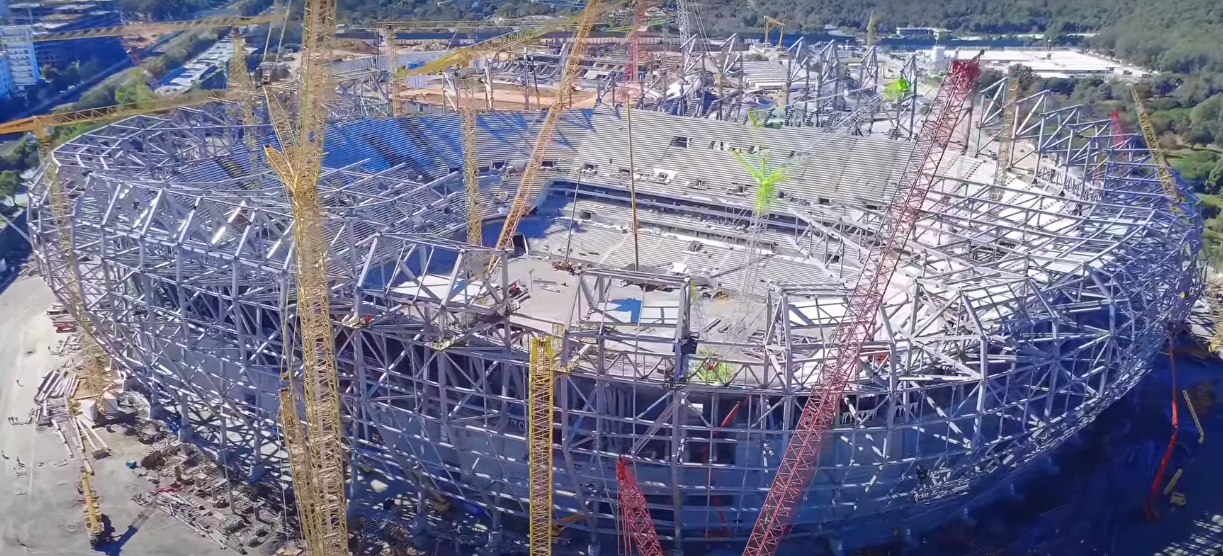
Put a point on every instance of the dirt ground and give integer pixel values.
(41, 508)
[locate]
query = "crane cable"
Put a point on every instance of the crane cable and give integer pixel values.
(1149, 510)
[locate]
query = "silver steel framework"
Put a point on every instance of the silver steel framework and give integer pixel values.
(821, 84)
(1018, 318)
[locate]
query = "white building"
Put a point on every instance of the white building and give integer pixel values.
(6, 77)
(1057, 63)
(18, 43)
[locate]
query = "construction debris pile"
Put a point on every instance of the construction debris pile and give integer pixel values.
(194, 490)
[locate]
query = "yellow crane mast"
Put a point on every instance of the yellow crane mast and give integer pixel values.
(319, 478)
(872, 29)
(769, 22)
(539, 434)
(471, 170)
(160, 27)
(531, 183)
(541, 390)
(461, 57)
(1162, 169)
(241, 84)
(1006, 141)
(93, 516)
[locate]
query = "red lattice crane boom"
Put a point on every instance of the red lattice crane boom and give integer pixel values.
(1118, 130)
(841, 364)
(635, 515)
(639, 21)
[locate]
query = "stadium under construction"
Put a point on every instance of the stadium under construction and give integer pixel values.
(688, 312)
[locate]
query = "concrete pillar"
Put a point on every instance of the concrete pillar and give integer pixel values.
(493, 546)
(256, 473)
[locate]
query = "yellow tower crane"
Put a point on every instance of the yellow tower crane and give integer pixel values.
(471, 169)
(540, 395)
(95, 377)
(769, 22)
(1162, 169)
(161, 27)
(241, 84)
(531, 184)
(317, 453)
(872, 29)
(461, 57)
(542, 387)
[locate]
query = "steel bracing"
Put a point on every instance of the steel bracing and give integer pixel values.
(1020, 310)
(819, 85)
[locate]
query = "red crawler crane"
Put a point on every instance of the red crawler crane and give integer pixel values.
(798, 465)
(1118, 128)
(635, 41)
(639, 526)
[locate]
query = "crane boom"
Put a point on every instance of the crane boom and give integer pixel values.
(639, 20)
(43, 122)
(1162, 170)
(636, 513)
(241, 84)
(463, 56)
(460, 57)
(160, 27)
(1118, 128)
(95, 377)
(872, 29)
(471, 172)
(528, 188)
(323, 503)
(841, 362)
(299, 457)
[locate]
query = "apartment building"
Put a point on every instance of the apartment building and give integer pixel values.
(18, 45)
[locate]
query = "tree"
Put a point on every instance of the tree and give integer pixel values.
(1199, 135)
(135, 92)
(10, 184)
(1214, 181)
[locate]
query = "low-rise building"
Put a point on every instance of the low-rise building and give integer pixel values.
(18, 44)
(1056, 63)
(921, 32)
(61, 16)
(6, 77)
